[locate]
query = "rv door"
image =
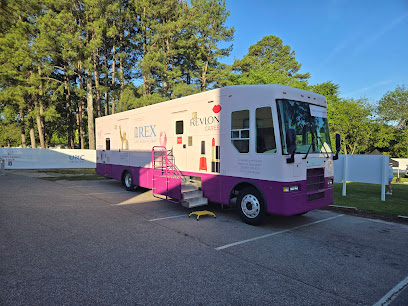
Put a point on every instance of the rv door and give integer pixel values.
(179, 141)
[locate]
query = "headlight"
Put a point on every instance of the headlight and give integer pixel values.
(294, 188)
(330, 182)
(291, 188)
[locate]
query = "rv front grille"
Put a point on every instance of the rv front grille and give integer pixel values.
(315, 196)
(315, 182)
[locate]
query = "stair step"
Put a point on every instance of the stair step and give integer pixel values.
(185, 187)
(191, 194)
(194, 202)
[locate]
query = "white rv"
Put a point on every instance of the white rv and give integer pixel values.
(268, 146)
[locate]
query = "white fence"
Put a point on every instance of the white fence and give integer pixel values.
(19, 158)
(372, 169)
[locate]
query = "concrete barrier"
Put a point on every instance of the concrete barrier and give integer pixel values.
(27, 158)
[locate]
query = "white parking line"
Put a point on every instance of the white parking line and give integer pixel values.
(393, 293)
(106, 192)
(168, 217)
(95, 193)
(273, 234)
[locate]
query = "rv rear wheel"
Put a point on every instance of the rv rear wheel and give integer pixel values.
(128, 181)
(251, 205)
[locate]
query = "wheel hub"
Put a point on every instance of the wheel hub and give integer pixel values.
(128, 180)
(250, 206)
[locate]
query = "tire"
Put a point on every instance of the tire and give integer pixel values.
(251, 204)
(128, 181)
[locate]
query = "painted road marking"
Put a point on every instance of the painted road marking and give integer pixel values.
(95, 193)
(103, 192)
(274, 234)
(168, 217)
(393, 293)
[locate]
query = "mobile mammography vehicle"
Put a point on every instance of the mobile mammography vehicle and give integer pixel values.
(268, 146)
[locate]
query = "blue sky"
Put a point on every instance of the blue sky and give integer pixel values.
(360, 45)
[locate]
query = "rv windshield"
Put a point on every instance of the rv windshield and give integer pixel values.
(310, 124)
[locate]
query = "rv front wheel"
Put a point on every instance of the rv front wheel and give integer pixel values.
(128, 181)
(251, 206)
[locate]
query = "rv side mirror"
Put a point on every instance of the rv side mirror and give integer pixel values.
(291, 145)
(338, 147)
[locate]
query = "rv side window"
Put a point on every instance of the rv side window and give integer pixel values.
(265, 134)
(107, 144)
(240, 130)
(179, 127)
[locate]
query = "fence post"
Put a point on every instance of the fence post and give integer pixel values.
(385, 162)
(344, 175)
(2, 167)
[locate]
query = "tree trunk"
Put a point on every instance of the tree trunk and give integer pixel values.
(40, 117)
(32, 133)
(80, 117)
(113, 78)
(22, 129)
(107, 85)
(98, 93)
(121, 78)
(345, 146)
(70, 128)
(31, 125)
(89, 100)
(39, 125)
(146, 87)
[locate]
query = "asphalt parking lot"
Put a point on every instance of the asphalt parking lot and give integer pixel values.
(92, 242)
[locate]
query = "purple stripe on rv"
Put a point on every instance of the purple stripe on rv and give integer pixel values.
(217, 189)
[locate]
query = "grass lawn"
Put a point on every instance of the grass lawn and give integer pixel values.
(368, 197)
(68, 171)
(71, 174)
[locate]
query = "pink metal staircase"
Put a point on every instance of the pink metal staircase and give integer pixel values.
(166, 177)
(170, 184)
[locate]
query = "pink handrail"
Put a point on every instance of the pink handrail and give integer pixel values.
(170, 169)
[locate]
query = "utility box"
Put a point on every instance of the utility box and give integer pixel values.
(2, 167)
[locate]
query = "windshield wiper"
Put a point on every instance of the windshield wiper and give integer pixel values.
(312, 144)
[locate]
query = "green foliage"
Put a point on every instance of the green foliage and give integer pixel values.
(209, 30)
(267, 75)
(393, 106)
(352, 120)
(268, 62)
(9, 135)
(398, 146)
(270, 54)
(327, 89)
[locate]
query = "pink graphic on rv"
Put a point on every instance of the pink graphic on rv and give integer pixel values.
(216, 109)
(163, 139)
